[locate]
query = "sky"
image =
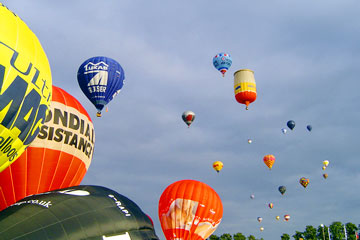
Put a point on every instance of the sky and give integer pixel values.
(305, 57)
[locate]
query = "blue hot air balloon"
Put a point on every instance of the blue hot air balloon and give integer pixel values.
(101, 79)
(222, 62)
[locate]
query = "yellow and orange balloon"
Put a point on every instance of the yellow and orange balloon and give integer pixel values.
(189, 209)
(245, 87)
(269, 160)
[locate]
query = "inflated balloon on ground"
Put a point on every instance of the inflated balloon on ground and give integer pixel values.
(189, 209)
(79, 212)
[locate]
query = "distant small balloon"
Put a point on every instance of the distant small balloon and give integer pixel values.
(252, 196)
(326, 163)
(271, 205)
(304, 182)
(261, 229)
(277, 217)
(291, 124)
(323, 167)
(309, 127)
(218, 165)
(188, 117)
(259, 219)
(325, 175)
(286, 217)
(249, 141)
(283, 130)
(282, 190)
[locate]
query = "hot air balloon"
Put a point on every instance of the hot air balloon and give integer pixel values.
(325, 175)
(291, 124)
(222, 62)
(277, 217)
(269, 160)
(59, 156)
(259, 219)
(252, 196)
(282, 190)
(25, 86)
(261, 229)
(283, 130)
(249, 141)
(323, 168)
(101, 79)
(286, 217)
(189, 209)
(271, 205)
(304, 182)
(326, 163)
(218, 165)
(309, 128)
(79, 212)
(245, 87)
(188, 117)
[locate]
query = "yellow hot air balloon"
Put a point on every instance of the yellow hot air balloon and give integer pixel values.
(218, 165)
(323, 167)
(277, 217)
(245, 87)
(261, 229)
(25, 86)
(326, 163)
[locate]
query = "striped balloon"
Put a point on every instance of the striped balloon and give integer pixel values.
(269, 160)
(245, 87)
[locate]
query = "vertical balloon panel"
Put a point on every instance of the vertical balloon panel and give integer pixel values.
(25, 86)
(189, 209)
(244, 86)
(59, 157)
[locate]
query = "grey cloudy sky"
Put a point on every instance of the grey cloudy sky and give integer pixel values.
(305, 55)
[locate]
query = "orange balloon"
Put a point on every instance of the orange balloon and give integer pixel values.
(58, 157)
(189, 209)
(269, 160)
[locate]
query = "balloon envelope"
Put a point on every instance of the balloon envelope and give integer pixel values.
(25, 86)
(283, 130)
(222, 62)
(252, 196)
(304, 182)
(326, 163)
(309, 128)
(189, 209)
(259, 219)
(59, 156)
(269, 160)
(291, 124)
(286, 217)
(325, 175)
(101, 79)
(271, 205)
(218, 165)
(80, 212)
(188, 117)
(245, 87)
(282, 190)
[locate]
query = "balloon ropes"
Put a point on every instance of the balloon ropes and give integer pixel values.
(59, 156)
(245, 87)
(189, 209)
(100, 79)
(79, 212)
(25, 86)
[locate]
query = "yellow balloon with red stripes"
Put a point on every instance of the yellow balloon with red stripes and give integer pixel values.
(25, 86)
(269, 160)
(218, 165)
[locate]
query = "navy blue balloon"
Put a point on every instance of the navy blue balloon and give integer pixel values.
(309, 127)
(100, 78)
(291, 124)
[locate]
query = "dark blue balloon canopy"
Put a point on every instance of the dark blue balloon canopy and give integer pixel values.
(100, 78)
